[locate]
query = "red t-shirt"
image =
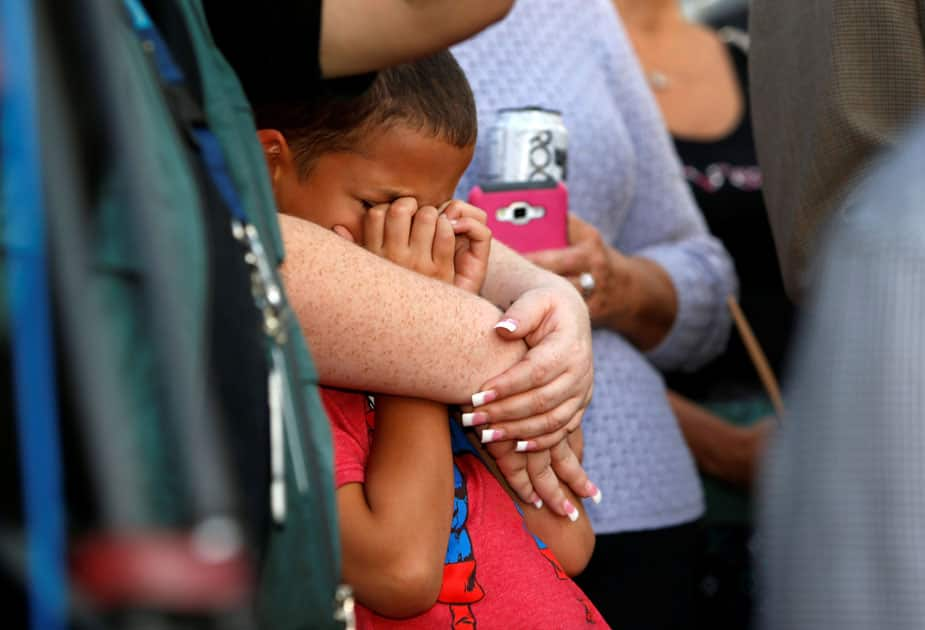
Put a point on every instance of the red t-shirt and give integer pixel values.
(497, 574)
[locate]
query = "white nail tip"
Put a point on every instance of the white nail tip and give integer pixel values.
(507, 324)
(478, 399)
(521, 446)
(488, 435)
(468, 419)
(573, 516)
(538, 504)
(598, 497)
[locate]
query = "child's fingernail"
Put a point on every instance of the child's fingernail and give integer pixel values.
(523, 446)
(508, 324)
(481, 398)
(491, 435)
(570, 510)
(538, 504)
(474, 419)
(593, 492)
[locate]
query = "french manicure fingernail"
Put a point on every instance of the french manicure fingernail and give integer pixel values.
(491, 435)
(481, 398)
(474, 419)
(508, 324)
(522, 446)
(538, 504)
(570, 510)
(594, 493)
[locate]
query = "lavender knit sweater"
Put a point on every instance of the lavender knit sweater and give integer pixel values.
(573, 56)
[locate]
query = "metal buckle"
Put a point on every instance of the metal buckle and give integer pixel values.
(267, 293)
(345, 607)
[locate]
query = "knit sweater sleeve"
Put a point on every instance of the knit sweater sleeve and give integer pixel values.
(664, 225)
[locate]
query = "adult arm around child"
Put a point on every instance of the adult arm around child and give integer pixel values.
(453, 348)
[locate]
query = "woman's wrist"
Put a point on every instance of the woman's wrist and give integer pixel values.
(645, 311)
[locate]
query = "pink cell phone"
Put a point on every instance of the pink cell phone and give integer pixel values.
(525, 216)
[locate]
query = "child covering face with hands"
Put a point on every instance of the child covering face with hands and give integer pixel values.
(429, 529)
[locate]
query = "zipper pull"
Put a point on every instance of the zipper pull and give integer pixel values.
(277, 445)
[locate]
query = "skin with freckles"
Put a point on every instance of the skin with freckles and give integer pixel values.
(388, 194)
(368, 185)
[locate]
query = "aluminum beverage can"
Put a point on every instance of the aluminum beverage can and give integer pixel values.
(526, 144)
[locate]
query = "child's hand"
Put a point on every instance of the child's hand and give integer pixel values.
(513, 466)
(533, 472)
(416, 238)
(473, 244)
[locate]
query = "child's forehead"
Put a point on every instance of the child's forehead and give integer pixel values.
(399, 136)
(405, 161)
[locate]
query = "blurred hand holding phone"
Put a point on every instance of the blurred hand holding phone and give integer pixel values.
(525, 216)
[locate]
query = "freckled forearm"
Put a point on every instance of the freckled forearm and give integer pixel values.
(510, 275)
(432, 340)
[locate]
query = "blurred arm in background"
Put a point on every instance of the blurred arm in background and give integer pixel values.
(394, 31)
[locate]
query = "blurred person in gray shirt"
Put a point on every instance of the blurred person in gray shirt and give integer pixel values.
(842, 528)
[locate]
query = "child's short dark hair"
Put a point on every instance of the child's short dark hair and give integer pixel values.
(431, 95)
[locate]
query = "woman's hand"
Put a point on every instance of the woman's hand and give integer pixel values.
(545, 393)
(589, 254)
(473, 244)
(631, 295)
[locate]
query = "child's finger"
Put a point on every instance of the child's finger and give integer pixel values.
(570, 471)
(547, 485)
(513, 466)
(397, 230)
(478, 233)
(423, 229)
(444, 245)
(457, 209)
(374, 227)
(471, 227)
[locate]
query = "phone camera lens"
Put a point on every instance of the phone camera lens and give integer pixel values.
(520, 212)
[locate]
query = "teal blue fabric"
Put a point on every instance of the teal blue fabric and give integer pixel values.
(296, 589)
(301, 568)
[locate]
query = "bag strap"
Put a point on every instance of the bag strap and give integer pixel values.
(186, 109)
(33, 347)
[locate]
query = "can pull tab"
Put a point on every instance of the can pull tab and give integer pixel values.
(345, 607)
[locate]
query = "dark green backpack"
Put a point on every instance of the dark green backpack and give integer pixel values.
(299, 577)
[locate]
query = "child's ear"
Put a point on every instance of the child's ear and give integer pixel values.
(275, 152)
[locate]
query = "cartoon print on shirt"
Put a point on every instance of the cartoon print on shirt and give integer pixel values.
(460, 588)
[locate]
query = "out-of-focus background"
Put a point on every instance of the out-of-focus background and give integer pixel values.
(718, 12)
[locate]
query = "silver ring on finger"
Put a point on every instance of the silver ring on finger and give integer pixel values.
(587, 284)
